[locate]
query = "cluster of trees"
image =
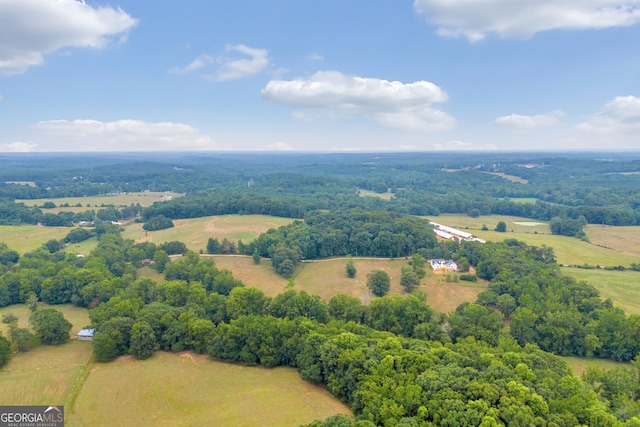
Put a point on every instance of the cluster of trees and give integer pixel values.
(352, 232)
(49, 327)
(159, 222)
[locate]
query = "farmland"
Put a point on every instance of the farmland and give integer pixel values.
(25, 238)
(88, 202)
(623, 287)
(195, 232)
(327, 278)
(618, 248)
(189, 389)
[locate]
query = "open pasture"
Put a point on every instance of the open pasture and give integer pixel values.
(26, 238)
(368, 193)
(327, 278)
(79, 317)
(623, 287)
(188, 389)
(625, 240)
(44, 375)
(568, 250)
(261, 276)
(123, 199)
(195, 232)
(579, 365)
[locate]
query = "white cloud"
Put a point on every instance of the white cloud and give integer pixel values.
(30, 29)
(618, 120)
(456, 145)
(530, 122)
(123, 135)
(474, 19)
(18, 147)
(227, 68)
(390, 103)
(316, 57)
(1, 98)
(279, 146)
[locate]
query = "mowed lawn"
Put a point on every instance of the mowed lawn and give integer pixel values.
(45, 375)
(623, 287)
(125, 199)
(602, 250)
(195, 232)
(187, 389)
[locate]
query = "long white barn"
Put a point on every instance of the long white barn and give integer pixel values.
(447, 232)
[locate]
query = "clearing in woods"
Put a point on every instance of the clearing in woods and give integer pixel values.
(191, 389)
(328, 278)
(95, 202)
(196, 232)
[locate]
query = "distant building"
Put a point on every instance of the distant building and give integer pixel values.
(86, 334)
(450, 233)
(443, 264)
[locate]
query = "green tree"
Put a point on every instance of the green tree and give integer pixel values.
(256, 257)
(501, 226)
(409, 279)
(379, 282)
(105, 349)
(159, 222)
(160, 260)
(143, 341)
(351, 268)
(50, 326)
(32, 302)
(5, 350)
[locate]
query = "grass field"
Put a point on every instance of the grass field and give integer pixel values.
(196, 232)
(368, 193)
(25, 238)
(184, 389)
(568, 250)
(144, 199)
(46, 374)
(623, 287)
(622, 239)
(579, 365)
(78, 317)
(328, 278)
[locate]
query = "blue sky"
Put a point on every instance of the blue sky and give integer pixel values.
(357, 75)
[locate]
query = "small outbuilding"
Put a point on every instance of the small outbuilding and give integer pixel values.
(86, 334)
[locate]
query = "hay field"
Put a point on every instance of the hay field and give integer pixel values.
(46, 374)
(195, 232)
(622, 239)
(568, 250)
(26, 238)
(79, 317)
(124, 199)
(187, 389)
(261, 276)
(623, 287)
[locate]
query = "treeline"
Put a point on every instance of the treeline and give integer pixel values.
(349, 232)
(556, 312)
(12, 213)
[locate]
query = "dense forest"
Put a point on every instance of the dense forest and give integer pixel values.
(394, 361)
(604, 189)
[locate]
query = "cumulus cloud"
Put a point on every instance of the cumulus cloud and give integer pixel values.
(391, 103)
(29, 29)
(530, 122)
(523, 18)
(123, 135)
(18, 147)
(223, 68)
(618, 119)
(316, 57)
